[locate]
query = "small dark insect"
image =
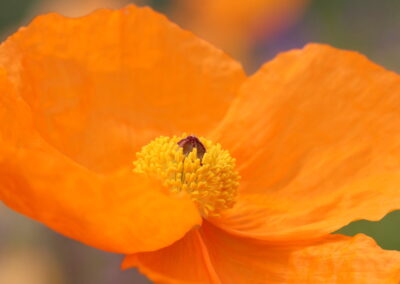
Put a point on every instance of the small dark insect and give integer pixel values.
(191, 142)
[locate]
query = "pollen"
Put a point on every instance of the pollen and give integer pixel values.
(193, 166)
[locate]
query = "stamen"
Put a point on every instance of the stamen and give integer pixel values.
(193, 166)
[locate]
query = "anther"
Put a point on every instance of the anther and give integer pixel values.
(191, 142)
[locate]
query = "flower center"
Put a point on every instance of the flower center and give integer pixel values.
(192, 165)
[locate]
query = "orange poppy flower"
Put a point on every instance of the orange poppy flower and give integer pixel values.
(314, 134)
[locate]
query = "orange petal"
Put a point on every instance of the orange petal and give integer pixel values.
(119, 212)
(332, 259)
(316, 133)
(183, 262)
(103, 85)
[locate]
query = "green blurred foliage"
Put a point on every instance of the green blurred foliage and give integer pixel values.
(13, 12)
(368, 26)
(160, 5)
(386, 232)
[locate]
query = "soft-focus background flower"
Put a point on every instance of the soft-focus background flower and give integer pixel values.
(31, 253)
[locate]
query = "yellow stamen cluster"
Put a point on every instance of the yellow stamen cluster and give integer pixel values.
(211, 181)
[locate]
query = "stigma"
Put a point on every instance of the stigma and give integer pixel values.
(193, 166)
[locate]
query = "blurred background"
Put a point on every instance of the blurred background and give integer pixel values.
(252, 31)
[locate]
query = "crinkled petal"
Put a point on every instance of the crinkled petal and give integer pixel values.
(184, 262)
(119, 212)
(316, 133)
(333, 259)
(103, 85)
